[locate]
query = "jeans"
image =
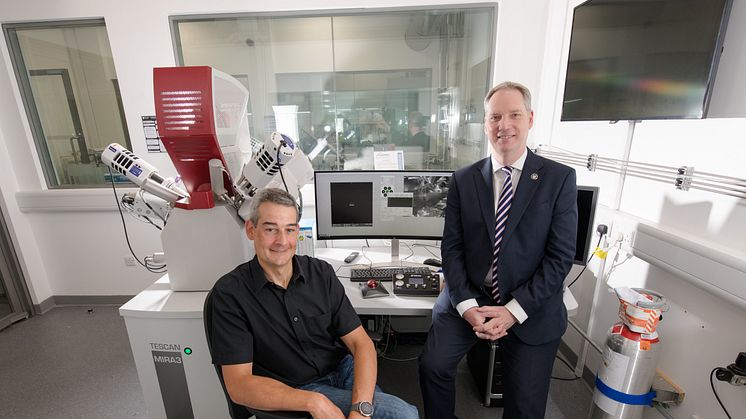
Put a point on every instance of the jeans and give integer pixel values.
(337, 387)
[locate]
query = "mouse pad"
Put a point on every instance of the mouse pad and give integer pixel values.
(379, 291)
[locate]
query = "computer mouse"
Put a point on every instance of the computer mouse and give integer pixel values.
(433, 262)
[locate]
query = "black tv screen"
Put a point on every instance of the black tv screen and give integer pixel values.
(644, 59)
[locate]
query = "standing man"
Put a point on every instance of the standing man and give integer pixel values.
(508, 243)
(284, 332)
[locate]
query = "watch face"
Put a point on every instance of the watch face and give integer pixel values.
(366, 408)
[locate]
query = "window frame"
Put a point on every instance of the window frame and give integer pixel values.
(29, 102)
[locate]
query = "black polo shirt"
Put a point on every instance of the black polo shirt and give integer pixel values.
(290, 335)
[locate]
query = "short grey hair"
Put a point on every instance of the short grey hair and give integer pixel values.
(510, 85)
(274, 196)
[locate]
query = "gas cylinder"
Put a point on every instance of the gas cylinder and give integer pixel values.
(624, 379)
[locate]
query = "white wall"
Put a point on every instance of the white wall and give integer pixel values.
(700, 331)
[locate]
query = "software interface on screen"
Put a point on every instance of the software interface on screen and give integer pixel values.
(381, 204)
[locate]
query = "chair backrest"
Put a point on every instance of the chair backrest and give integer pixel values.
(236, 410)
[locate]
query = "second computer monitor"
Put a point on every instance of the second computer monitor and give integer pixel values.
(381, 204)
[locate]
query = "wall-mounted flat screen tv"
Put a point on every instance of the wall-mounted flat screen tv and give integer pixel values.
(643, 59)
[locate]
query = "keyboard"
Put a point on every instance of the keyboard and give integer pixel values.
(385, 274)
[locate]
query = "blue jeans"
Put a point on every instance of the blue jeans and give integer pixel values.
(337, 387)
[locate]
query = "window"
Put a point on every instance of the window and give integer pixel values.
(71, 94)
(348, 85)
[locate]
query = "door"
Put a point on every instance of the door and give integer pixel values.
(15, 301)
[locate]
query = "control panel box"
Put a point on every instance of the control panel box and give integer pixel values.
(414, 284)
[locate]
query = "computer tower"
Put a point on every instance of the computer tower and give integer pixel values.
(484, 361)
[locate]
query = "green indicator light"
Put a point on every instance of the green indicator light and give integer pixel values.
(188, 351)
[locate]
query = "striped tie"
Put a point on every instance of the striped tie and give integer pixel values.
(501, 218)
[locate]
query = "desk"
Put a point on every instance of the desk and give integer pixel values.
(393, 305)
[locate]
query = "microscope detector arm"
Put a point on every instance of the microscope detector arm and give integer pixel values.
(277, 151)
(141, 173)
(278, 163)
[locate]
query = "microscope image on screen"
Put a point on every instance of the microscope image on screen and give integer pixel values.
(351, 204)
(380, 204)
(429, 195)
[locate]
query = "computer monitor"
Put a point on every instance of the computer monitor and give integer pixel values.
(381, 204)
(587, 198)
(407, 205)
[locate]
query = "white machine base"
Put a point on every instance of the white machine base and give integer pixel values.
(167, 337)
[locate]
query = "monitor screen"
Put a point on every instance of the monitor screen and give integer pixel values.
(587, 198)
(381, 204)
(634, 60)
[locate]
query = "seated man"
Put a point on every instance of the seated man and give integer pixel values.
(417, 136)
(277, 324)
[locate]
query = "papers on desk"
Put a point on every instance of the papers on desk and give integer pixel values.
(388, 160)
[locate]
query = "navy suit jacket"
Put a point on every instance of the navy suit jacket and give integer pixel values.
(538, 244)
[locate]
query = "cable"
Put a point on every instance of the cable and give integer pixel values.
(427, 247)
(282, 176)
(279, 166)
(124, 224)
(337, 270)
(382, 352)
(131, 211)
(142, 196)
(615, 265)
(575, 377)
(300, 206)
(712, 385)
(154, 269)
(587, 262)
(411, 251)
(362, 251)
(121, 215)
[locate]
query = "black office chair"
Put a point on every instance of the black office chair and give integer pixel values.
(236, 410)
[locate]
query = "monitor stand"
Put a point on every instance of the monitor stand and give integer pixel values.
(395, 260)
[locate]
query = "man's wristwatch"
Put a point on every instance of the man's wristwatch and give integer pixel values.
(364, 408)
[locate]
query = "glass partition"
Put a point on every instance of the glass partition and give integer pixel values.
(353, 86)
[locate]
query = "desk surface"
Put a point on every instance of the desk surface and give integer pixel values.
(159, 300)
(394, 305)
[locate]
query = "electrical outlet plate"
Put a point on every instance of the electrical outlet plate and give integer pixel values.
(629, 238)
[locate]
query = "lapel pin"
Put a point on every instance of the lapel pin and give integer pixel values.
(534, 176)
